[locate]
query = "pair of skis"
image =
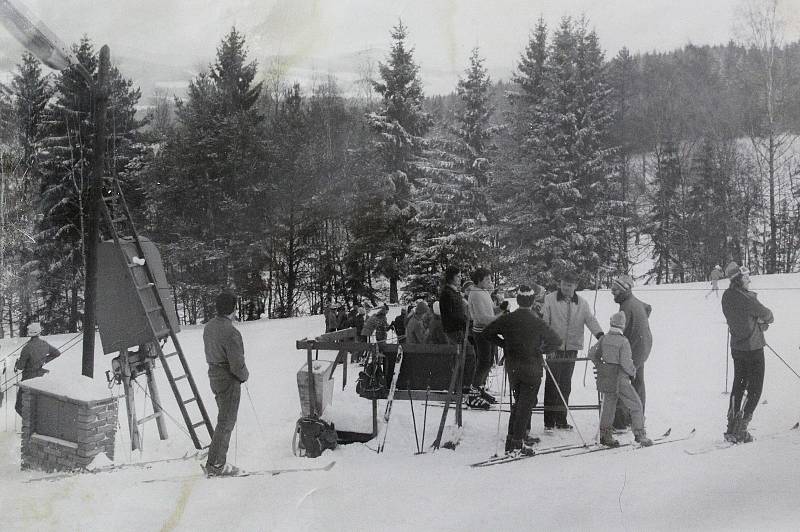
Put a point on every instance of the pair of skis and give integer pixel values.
(720, 445)
(578, 448)
(390, 400)
(243, 473)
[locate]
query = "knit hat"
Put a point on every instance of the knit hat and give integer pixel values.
(732, 270)
(34, 329)
(718, 267)
(421, 308)
(436, 308)
(623, 282)
(467, 286)
(618, 320)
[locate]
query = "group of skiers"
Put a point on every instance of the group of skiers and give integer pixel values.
(474, 316)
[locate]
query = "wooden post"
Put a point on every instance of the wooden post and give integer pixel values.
(92, 219)
(130, 404)
(156, 400)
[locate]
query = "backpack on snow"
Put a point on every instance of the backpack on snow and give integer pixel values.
(313, 436)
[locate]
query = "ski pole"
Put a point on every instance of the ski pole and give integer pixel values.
(727, 361)
(255, 413)
(425, 418)
(594, 314)
(782, 360)
(569, 412)
(500, 413)
(413, 419)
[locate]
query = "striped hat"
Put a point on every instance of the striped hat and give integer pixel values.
(623, 282)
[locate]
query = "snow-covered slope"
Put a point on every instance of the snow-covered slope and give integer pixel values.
(663, 488)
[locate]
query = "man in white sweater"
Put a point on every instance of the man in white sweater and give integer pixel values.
(483, 312)
(567, 314)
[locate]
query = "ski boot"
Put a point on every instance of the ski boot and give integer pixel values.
(642, 439)
(530, 440)
(224, 470)
(563, 426)
(487, 396)
(519, 447)
(475, 400)
(607, 439)
(742, 436)
(733, 428)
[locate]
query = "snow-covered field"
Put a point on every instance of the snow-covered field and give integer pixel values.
(748, 487)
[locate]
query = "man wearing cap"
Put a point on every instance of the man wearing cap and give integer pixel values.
(33, 357)
(227, 372)
(715, 275)
(523, 337)
(747, 320)
(637, 331)
(567, 314)
(417, 327)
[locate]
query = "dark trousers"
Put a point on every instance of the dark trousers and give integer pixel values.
(457, 338)
(484, 356)
(622, 418)
(555, 413)
(524, 383)
(227, 392)
(748, 376)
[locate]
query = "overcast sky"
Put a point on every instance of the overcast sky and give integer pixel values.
(185, 33)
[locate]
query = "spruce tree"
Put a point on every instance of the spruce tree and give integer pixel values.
(400, 125)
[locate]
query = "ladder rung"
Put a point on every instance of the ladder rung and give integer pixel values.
(198, 424)
(145, 287)
(148, 418)
(152, 309)
(163, 332)
(189, 400)
(171, 355)
(179, 377)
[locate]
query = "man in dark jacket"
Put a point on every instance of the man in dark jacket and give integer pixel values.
(32, 359)
(226, 371)
(455, 319)
(747, 320)
(637, 331)
(523, 337)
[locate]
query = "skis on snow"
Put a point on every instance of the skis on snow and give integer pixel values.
(390, 400)
(244, 473)
(661, 440)
(516, 455)
(119, 467)
(720, 445)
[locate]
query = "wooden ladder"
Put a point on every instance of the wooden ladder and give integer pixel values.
(121, 228)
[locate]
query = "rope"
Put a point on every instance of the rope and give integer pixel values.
(161, 408)
(782, 360)
(255, 412)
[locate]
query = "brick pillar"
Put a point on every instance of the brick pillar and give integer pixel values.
(60, 433)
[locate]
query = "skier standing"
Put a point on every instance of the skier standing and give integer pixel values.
(227, 372)
(637, 331)
(715, 275)
(483, 312)
(523, 337)
(747, 320)
(566, 313)
(612, 357)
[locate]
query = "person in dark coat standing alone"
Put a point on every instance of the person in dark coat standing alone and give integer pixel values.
(227, 372)
(523, 337)
(33, 357)
(747, 320)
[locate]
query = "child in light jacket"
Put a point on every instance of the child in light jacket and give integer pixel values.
(614, 362)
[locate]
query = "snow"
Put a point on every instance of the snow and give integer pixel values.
(751, 486)
(71, 385)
